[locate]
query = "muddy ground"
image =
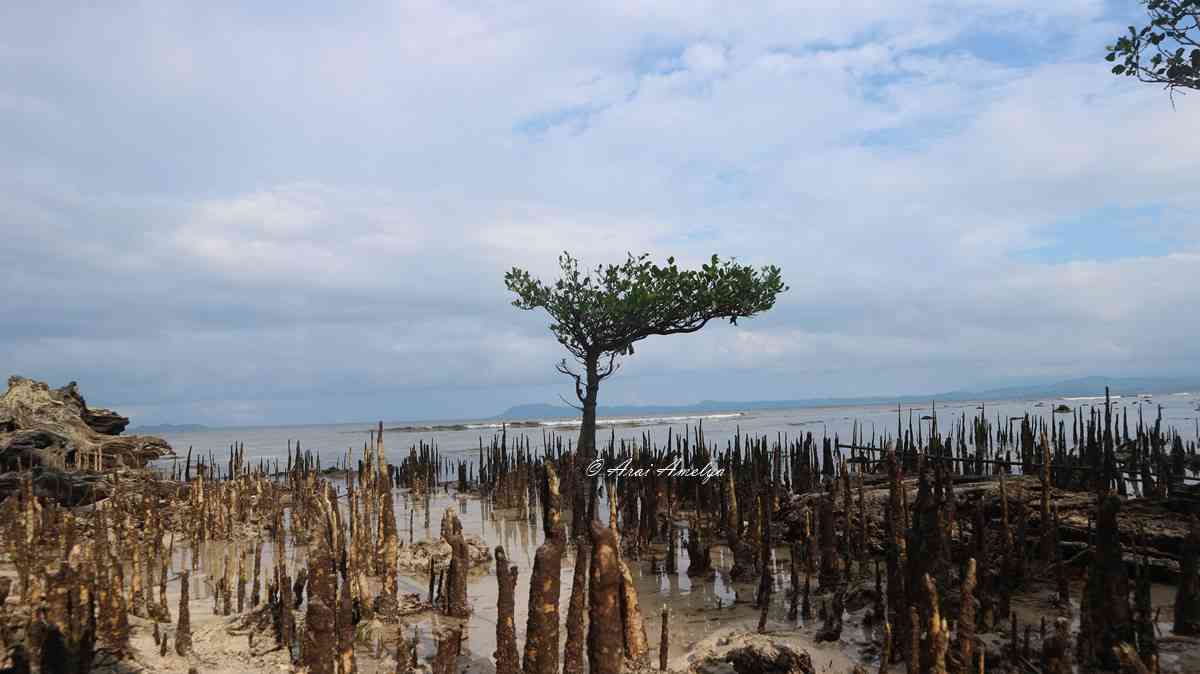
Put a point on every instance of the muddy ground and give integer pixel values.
(707, 616)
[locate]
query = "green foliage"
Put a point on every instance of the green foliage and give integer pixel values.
(602, 313)
(1165, 51)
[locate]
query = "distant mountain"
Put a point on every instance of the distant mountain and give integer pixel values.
(555, 411)
(1084, 386)
(168, 428)
(703, 407)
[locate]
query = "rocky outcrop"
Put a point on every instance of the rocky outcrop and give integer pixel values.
(105, 422)
(52, 437)
(55, 429)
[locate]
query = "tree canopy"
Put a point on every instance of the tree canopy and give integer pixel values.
(1164, 51)
(600, 314)
(604, 312)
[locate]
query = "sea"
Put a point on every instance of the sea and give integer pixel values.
(460, 440)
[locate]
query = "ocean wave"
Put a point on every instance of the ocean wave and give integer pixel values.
(459, 427)
(639, 421)
(563, 423)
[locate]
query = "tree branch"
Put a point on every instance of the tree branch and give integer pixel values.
(569, 403)
(613, 366)
(562, 367)
(684, 330)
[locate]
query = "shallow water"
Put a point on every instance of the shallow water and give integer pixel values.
(698, 607)
(331, 442)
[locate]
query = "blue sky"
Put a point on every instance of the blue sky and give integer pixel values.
(291, 213)
(1106, 234)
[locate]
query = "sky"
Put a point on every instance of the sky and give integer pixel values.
(276, 213)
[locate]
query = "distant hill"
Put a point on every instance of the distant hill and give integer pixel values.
(168, 428)
(537, 411)
(1083, 386)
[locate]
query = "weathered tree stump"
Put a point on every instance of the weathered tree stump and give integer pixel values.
(460, 563)
(183, 632)
(319, 649)
(1056, 650)
(508, 659)
(1109, 619)
(664, 640)
(577, 612)
(541, 631)
(606, 637)
(449, 645)
(966, 617)
(637, 646)
(1187, 596)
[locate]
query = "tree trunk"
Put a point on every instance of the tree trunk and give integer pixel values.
(585, 449)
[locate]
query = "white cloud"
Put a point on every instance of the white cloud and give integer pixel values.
(217, 205)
